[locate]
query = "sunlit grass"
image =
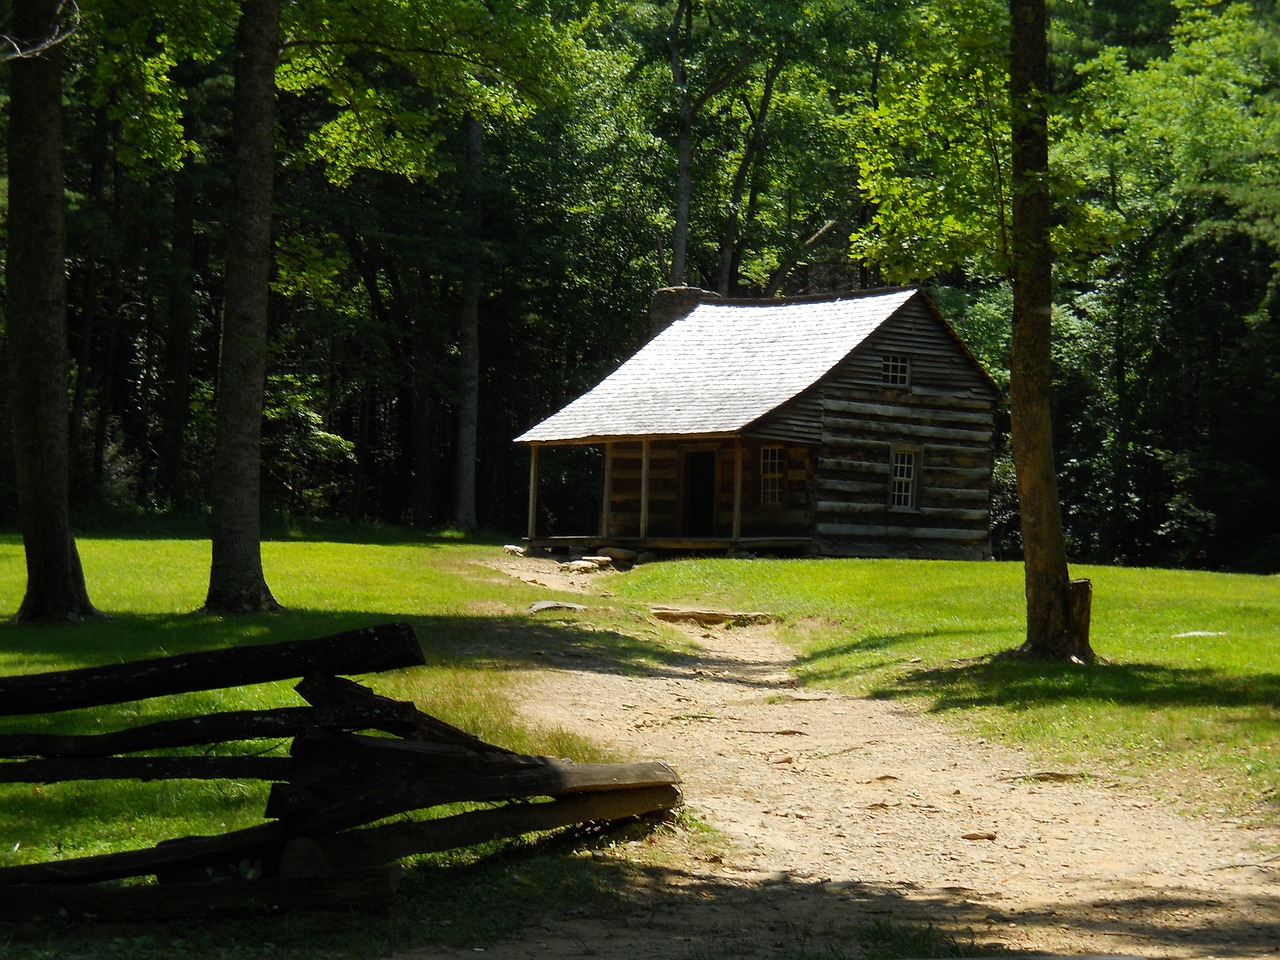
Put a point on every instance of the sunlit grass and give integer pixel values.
(1185, 698)
(1187, 692)
(466, 615)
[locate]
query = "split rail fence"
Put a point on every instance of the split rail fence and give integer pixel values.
(355, 759)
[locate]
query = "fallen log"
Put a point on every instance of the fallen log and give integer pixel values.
(367, 650)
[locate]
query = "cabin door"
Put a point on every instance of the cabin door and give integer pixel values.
(700, 493)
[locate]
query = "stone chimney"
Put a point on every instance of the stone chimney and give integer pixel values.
(669, 304)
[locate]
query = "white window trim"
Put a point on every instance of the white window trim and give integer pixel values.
(916, 467)
(895, 370)
(772, 485)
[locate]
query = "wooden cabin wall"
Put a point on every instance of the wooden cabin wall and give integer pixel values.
(946, 415)
(667, 467)
(792, 516)
(624, 489)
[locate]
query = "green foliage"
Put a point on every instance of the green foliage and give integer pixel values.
(816, 120)
(933, 148)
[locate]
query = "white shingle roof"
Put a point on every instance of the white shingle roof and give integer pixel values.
(720, 368)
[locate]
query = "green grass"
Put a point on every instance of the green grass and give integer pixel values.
(1187, 693)
(1185, 700)
(468, 617)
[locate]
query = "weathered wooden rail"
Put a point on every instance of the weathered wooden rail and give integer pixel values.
(321, 843)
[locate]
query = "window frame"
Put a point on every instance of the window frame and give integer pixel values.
(772, 482)
(904, 490)
(895, 370)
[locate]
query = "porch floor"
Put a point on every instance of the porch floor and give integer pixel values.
(581, 544)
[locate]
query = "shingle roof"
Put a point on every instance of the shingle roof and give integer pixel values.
(720, 368)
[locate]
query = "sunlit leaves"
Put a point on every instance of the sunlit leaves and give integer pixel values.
(934, 148)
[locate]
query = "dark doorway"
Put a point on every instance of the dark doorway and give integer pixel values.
(700, 493)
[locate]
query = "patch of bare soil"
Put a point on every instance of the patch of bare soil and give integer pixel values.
(840, 813)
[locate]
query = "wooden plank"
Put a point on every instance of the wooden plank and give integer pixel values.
(367, 650)
(323, 691)
(905, 411)
(948, 397)
(371, 803)
(192, 768)
(875, 488)
(396, 754)
(364, 889)
(906, 533)
(836, 429)
(385, 842)
(279, 723)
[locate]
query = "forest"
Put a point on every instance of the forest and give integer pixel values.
(474, 199)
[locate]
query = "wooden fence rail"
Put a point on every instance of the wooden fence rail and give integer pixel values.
(321, 843)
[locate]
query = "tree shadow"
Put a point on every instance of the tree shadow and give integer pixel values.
(1017, 686)
(583, 893)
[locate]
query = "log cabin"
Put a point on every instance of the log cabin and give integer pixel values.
(850, 425)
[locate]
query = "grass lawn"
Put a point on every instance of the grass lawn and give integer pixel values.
(1187, 694)
(1186, 698)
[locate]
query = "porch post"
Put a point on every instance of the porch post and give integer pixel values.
(606, 495)
(533, 492)
(644, 489)
(737, 489)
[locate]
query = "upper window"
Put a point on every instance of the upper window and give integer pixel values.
(896, 370)
(771, 467)
(903, 482)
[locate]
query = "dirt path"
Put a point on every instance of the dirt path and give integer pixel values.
(843, 812)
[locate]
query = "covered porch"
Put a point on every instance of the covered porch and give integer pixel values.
(689, 495)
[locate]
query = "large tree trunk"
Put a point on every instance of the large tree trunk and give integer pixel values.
(236, 581)
(1052, 631)
(36, 315)
(464, 513)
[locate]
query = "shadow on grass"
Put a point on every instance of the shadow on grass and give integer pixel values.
(1017, 686)
(498, 642)
(553, 903)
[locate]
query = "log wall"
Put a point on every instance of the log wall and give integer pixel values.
(945, 415)
(838, 440)
(668, 469)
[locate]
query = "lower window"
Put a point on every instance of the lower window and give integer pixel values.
(904, 479)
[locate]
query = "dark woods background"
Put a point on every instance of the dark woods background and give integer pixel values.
(785, 125)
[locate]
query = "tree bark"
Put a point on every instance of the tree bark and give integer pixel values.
(684, 145)
(464, 514)
(1051, 633)
(236, 580)
(36, 316)
(751, 149)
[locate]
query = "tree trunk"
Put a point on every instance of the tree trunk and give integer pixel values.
(752, 147)
(236, 581)
(1051, 633)
(36, 315)
(464, 514)
(681, 19)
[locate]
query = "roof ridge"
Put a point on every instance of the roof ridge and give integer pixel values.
(807, 298)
